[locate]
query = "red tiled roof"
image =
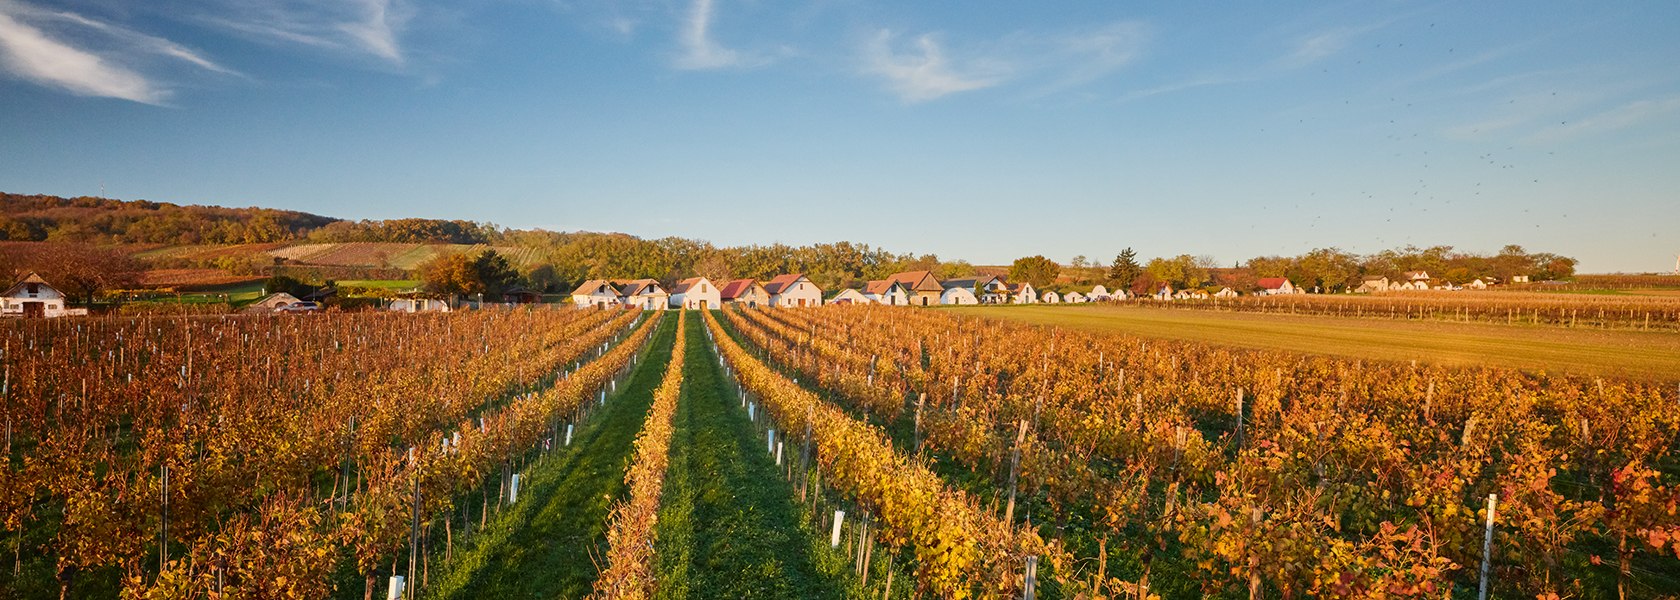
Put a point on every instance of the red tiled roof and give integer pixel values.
(1272, 283)
(734, 289)
(776, 285)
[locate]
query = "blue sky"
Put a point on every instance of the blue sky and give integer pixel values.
(976, 130)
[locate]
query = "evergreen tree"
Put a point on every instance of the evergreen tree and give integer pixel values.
(1125, 270)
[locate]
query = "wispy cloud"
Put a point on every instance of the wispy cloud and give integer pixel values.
(1080, 57)
(30, 50)
(700, 51)
(923, 73)
(1322, 45)
(360, 27)
(1638, 112)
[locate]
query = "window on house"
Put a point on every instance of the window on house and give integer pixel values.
(34, 288)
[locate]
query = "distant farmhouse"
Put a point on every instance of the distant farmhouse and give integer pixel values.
(32, 297)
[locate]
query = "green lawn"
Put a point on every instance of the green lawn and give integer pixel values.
(1638, 354)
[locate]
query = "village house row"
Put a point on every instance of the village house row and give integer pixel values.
(910, 288)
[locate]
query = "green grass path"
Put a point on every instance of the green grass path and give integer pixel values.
(546, 546)
(730, 526)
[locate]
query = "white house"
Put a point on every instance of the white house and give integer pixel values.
(793, 290)
(1022, 293)
(696, 293)
(1051, 297)
(1373, 283)
(958, 294)
(597, 293)
(887, 291)
(645, 294)
(1166, 293)
(33, 297)
(1098, 294)
(849, 296)
(1478, 284)
(1225, 293)
(744, 291)
(1074, 297)
(1190, 294)
(418, 305)
(1273, 286)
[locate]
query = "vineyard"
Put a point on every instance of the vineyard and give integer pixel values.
(1641, 313)
(1189, 470)
(842, 452)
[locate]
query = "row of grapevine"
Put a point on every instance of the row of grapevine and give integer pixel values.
(1644, 313)
(188, 431)
(631, 534)
(959, 549)
(1305, 474)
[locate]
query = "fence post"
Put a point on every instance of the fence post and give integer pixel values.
(1029, 588)
(1487, 546)
(1014, 472)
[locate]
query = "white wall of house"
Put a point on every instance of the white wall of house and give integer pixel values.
(50, 301)
(702, 294)
(798, 293)
(893, 297)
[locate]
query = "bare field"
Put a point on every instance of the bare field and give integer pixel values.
(1643, 355)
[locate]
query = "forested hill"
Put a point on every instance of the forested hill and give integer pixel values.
(34, 218)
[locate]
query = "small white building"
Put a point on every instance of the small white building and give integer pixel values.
(1372, 284)
(1098, 294)
(793, 290)
(696, 293)
(418, 305)
(597, 293)
(645, 294)
(32, 297)
(1074, 297)
(1022, 293)
(849, 296)
(1273, 286)
(1051, 297)
(887, 291)
(271, 302)
(745, 292)
(1225, 293)
(1477, 284)
(958, 295)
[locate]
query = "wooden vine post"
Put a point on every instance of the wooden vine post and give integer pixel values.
(1015, 471)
